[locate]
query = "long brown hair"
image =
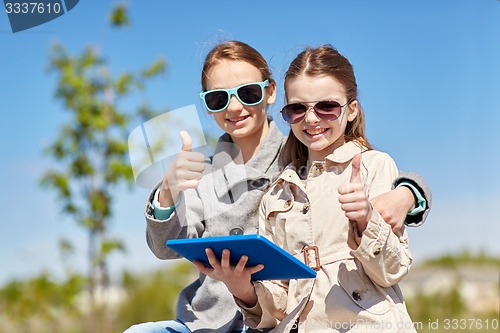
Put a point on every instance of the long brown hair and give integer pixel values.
(237, 51)
(321, 61)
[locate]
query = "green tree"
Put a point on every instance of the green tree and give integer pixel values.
(91, 150)
(44, 293)
(15, 305)
(153, 296)
(440, 305)
(43, 300)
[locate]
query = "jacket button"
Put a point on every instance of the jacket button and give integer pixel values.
(259, 183)
(236, 232)
(356, 296)
(306, 208)
(287, 203)
(377, 251)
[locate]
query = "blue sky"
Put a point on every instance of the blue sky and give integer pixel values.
(429, 79)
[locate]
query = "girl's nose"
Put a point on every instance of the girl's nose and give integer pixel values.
(311, 117)
(234, 104)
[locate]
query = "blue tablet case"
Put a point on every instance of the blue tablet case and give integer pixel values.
(278, 264)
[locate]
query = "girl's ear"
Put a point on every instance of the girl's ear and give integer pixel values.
(271, 92)
(353, 110)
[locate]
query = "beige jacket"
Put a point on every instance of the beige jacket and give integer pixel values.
(356, 285)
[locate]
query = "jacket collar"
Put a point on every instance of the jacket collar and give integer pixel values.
(341, 155)
(227, 163)
(346, 152)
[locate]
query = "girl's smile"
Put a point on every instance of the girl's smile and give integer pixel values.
(315, 132)
(237, 121)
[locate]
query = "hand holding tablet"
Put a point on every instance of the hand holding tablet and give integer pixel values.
(278, 264)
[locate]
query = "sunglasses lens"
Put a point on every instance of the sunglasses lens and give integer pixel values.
(328, 110)
(216, 100)
(250, 94)
(293, 113)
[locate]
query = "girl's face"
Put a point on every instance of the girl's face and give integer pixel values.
(320, 136)
(238, 120)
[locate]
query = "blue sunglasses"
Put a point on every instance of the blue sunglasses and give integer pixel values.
(248, 94)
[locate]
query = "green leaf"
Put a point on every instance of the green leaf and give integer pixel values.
(158, 67)
(57, 180)
(111, 245)
(119, 16)
(123, 83)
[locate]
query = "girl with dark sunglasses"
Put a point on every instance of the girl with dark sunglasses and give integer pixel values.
(324, 217)
(220, 195)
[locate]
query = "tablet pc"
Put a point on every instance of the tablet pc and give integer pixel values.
(278, 264)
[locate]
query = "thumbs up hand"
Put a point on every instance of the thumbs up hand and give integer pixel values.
(187, 143)
(355, 175)
(184, 173)
(353, 199)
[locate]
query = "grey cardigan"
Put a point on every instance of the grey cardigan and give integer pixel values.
(225, 202)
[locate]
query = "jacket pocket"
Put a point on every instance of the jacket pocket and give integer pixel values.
(362, 291)
(279, 202)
